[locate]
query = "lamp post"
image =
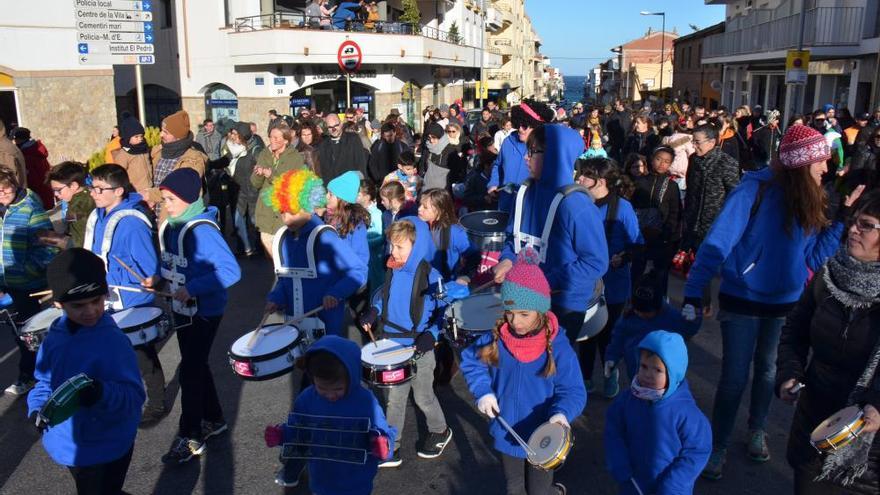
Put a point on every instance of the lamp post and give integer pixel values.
(662, 44)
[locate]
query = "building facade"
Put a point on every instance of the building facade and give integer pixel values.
(641, 62)
(693, 80)
(522, 66)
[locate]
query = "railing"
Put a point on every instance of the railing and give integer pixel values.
(499, 75)
(502, 42)
(823, 26)
(293, 20)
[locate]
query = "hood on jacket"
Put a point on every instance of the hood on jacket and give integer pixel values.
(562, 148)
(423, 247)
(131, 202)
(346, 351)
(34, 147)
(672, 350)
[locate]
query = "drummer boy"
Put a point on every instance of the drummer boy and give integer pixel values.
(95, 443)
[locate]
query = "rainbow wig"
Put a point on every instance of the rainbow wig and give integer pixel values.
(295, 191)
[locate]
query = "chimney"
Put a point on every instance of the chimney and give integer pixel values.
(649, 32)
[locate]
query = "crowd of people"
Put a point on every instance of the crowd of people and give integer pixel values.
(362, 222)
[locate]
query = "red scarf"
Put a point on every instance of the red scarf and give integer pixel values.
(530, 347)
(393, 264)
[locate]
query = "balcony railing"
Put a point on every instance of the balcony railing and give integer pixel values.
(824, 26)
(497, 75)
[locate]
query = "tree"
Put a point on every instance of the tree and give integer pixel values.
(454, 37)
(411, 13)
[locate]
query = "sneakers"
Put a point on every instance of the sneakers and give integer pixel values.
(184, 449)
(612, 387)
(560, 488)
(20, 387)
(213, 428)
(288, 475)
(758, 450)
(715, 466)
(395, 461)
(434, 444)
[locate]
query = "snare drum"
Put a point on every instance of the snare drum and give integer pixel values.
(487, 231)
(141, 325)
(469, 318)
(274, 354)
(384, 368)
(37, 327)
(596, 315)
(839, 430)
(551, 443)
(64, 401)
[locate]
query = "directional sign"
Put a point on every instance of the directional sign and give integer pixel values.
(349, 56)
(114, 32)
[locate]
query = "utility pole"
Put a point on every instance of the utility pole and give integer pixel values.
(482, 49)
(662, 45)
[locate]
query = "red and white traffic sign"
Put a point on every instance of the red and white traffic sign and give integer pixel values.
(349, 56)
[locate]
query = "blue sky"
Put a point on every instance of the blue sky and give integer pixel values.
(587, 28)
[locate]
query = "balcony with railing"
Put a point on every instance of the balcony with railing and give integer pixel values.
(498, 75)
(494, 19)
(758, 35)
(284, 37)
(504, 46)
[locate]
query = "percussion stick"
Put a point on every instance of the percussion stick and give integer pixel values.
(484, 286)
(41, 293)
(297, 319)
(515, 436)
(130, 270)
(392, 352)
(144, 289)
(45, 299)
(372, 337)
(256, 335)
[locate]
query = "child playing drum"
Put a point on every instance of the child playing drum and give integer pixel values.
(454, 257)
(526, 351)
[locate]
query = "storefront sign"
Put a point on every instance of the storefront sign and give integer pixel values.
(222, 103)
(300, 102)
(796, 64)
(324, 74)
(259, 81)
(362, 99)
(280, 81)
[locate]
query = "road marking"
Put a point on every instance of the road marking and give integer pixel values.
(8, 355)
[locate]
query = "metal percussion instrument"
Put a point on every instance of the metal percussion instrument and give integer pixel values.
(64, 401)
(330, 438)
(548, 446)
(839, 430)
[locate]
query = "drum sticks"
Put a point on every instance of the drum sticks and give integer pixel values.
(136, 289)
(256, 335)
(483, 287)
(515, 436)
(135, 274)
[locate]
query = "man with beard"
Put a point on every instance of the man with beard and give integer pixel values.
(340, 151)
(177, 150)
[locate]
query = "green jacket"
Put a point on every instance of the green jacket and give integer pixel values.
(266, 220)
(24, 260)
(78, 210)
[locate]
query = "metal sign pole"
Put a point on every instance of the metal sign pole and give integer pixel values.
(348, 89)
(139, 86)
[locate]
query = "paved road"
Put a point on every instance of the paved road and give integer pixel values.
(240, 463)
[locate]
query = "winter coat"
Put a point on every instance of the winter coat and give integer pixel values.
(510, 168)
(618, 125)
(248, 195)
(642, 143)
(865, 158)
(622, 235)
(12, 159)
(683, 144)
(24, 260)
(631, 328)
(459, 258)
(105, 431)
(265, 219)
(78, 210)
(36, 159)
(383, 159)
(191, 158)
(664, 445)
(339, 156)
(210, 143)
(826, 346)
(436, 163)
(710, 179)
(649, 194)
(139, 168)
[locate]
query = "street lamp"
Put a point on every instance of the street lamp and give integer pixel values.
(662, 44)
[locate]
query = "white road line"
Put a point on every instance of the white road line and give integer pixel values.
(8, 355)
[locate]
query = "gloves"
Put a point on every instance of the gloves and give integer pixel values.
(455, 291)
(488, 405)
(379, 447)
(40, 423)
(273, 435)
(691, 307)
(369, 317)
(560, 419)
(425, 342)
(91, 394)
(609, 367)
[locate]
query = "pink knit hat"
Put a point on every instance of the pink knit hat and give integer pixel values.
(525, 287)
(802, 146)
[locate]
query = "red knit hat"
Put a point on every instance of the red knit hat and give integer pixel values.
(525, 287)
(802, 146)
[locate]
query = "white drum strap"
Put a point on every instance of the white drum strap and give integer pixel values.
(296, 274)
(175, 261)
(522, 239)
(107, 241)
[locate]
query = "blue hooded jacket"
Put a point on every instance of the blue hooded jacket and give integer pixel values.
(336, 477)
(577, 255)
(345, 11)
(105, 431)
(525, 397)
(134, 244)
(510, 165)
(401, 289)
(340, 274)
(211, 267)
(631, 329)
(664, 445)
(759, 261)
(459, 248)
(625, 233)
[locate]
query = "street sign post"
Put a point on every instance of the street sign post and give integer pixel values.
(349, 57)
(797, 63)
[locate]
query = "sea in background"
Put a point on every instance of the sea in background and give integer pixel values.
(574, 88)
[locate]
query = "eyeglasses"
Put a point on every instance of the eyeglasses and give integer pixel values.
(865, 226)
(7, 190)
(58, 190)
(535, 151)
(100, 190)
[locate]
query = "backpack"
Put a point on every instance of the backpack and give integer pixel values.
(442, 250)
(416, 300)
(650, 218)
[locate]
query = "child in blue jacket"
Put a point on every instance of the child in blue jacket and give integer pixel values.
(375, 234)
(351, 221)
(527, 372)
(649, 312)
(656, 438)
(334, 366)
(454, 256)
(96, 443)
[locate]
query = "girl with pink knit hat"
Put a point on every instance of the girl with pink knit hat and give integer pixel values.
(526, 372)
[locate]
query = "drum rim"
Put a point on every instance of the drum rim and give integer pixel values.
(147, 324)
(254, 378)
(24, 328)
(272, 355)
(369, 383)
(389, 367)
(500, 233)
(560, 453)
(460, 322)
(834, 441)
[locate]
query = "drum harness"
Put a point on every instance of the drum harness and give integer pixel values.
(175, 278)
(296, 276)
(416, 302)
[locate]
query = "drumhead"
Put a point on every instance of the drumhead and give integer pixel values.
(487, 222)
(368, 353)
(42, 320)
(137, 317)
(547, 441)
(477, 313)
(834, 424)
(267, 345)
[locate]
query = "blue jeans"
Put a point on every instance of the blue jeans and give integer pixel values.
(745, 339)
(241, 228)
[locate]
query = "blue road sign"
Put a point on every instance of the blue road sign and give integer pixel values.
(83, 47)
(148, 37)
(146, 6)
(148, 27)
(145, 59)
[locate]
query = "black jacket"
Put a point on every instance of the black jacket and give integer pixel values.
(383, 159)
(710, 179)
(647, 195)
(841, 341)
(618, 125)
(641, 143)
(339, 157)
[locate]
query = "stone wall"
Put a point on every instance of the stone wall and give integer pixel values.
(256, 110)
(195, 107)
(73, 113)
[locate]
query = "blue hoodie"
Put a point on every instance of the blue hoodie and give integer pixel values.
(625, 234)
(511, 162)
(760, 262)
(211, 267)
(357, 243)
(401, 289)
(632, 328)
(345, 11)
(340, 274)
(134, 244)
(105, 431)
(577, 255)
(459, 247)
(662, 445)
(525, 397)
(335, 477)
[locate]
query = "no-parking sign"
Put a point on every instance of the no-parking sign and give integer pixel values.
(349, 56)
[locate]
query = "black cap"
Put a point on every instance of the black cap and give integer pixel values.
(647, 296)
(863, 116)
(435, 129)
(76, 274)
(21, 134)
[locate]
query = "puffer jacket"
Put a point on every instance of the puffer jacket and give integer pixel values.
(841, 341)
(710, 179)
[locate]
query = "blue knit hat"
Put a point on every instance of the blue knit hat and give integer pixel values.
(185, 183)
(346, 186)
(525, 287)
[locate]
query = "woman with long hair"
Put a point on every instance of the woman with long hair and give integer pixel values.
(454, 256)
(309, 139)
(771, 230)
(641, 138)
